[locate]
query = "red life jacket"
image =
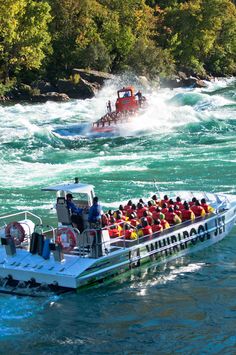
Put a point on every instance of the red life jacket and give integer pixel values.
(164, 201)
(198, 210)
(206, 207)
(164, 210)
(133, 222)
(170, 217)
(164, 223)
(157, 215)
(149, 219)
(157, 228)
(181, 206)
(140, 211)
(186, 215)
(147, 230)
(179, 213)
(128, 234)
(114, 233)
(152, 209)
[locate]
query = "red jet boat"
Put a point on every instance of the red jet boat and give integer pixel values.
(127, 105)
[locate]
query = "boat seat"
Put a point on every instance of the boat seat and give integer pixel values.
(63, 213)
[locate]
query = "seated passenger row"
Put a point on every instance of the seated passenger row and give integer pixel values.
(133, 221)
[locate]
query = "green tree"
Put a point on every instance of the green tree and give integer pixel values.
(24, 38)
(200, 34)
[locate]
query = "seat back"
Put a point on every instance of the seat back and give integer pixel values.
(63, 213)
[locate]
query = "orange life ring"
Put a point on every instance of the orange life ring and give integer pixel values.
(67, 238)
(16, 231)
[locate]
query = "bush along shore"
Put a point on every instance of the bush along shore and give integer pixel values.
(84, 84)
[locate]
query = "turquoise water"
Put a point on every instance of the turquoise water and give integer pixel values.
(185, 140)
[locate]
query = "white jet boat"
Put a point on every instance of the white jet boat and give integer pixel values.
(35, 258)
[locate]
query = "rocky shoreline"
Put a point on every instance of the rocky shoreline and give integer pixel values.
(84, 84)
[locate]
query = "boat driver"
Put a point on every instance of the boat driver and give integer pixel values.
(76, 213)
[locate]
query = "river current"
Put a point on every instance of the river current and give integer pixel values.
(185, 140)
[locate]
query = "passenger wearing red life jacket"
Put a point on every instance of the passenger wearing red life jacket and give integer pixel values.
(131, 210)
(179, 203)
(114, 228)
(191, 203)
(177, 211)
(148, 215)
(164, 208)
(146, 228)
(187, 214)
(129, 233)
(207, 208)
(140, 210)
(164, 223)
(121, 209)
(105, 219)
(151, 206)
(170, 203)
(157, 227)
(128, 206)
(155, 199)
(165, 200)
(157, 214)
(172, 217)
(198, 210)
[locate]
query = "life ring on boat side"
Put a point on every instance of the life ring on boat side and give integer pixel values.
(67, 238)
(16, 231)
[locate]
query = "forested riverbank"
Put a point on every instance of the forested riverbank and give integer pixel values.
(45, 40)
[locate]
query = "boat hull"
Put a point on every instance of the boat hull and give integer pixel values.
(77, 270)
(175, 243)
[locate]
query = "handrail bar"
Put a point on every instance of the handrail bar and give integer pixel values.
(25, 213)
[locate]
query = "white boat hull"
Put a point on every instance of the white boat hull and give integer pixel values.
(76, 271)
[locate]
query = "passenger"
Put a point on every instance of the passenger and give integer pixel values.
(133, 220)
(105, 219)
(177, 211)
(187, 214)
(140, 210)
(132, 210)
(75, 212)
(148, 215)
(155, 198)
(121, 209)
(164, 223)
(198, 210)
(164, 209)
(128, 206)
(114, 229)
(146, 228)
(109, 106)
(140, 97)
(207, 208)
(129, 232)
(157, 227)
(172, 217)
(165, 200)
(191, 203)
(151, 206)
(120, 219)
(95, 214)
(157, 214)
(179, 203)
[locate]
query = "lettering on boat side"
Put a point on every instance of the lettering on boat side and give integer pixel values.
(188, 238)
(220, 225)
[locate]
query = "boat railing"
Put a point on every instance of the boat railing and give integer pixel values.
(25, 215)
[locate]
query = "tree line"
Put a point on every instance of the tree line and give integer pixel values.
(47, 38)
